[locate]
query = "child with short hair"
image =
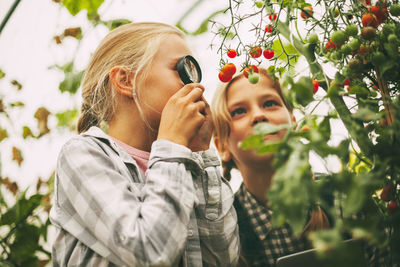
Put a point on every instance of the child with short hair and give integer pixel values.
(236, 108)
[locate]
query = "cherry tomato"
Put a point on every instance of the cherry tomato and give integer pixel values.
(386, 194)
(231, 53)
(369, 19)
(315, 86)
(392, 206)
(250, 69)
(309, 13)
(254, 77)
(380, 13)
(229, 69)
(223, 77)
(268, 53)
(256, 52)
(269, 28)
(272, 17)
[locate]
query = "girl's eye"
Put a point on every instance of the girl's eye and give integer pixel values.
(270, 103)
(237, 111)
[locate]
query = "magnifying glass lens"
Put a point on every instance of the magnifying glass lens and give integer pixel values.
(189, 70)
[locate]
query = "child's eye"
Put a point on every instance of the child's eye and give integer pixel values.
(270, 103)
(237, 111)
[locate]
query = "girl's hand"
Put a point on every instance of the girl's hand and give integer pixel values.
(201, 141)
(183, 115)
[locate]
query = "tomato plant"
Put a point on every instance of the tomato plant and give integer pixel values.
(352, 49)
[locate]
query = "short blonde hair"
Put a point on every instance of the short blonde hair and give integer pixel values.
(131, 46)
(221, 116)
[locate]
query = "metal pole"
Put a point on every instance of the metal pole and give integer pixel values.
(8, 15)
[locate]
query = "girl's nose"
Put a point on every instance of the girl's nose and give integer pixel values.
(259, 117)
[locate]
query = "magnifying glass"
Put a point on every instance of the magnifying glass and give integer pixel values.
(189, 70)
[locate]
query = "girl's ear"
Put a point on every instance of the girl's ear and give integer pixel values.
(121, 79)
(224, 153)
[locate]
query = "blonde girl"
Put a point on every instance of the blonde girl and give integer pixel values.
(146, 191)
(236, 108)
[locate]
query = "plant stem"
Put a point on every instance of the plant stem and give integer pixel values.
(8, 15)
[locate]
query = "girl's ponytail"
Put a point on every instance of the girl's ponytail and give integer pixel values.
(87, 119)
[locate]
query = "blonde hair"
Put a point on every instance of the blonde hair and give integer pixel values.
(221, 116)
(131, 46)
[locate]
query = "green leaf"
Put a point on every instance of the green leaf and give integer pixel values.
(74, 6)
(71, 82)
(112, 24)
(2, 74)
(283, 52)
(21, 210)
(67, 118)
(359, 90)
(25, 244)
(366, 115)
(265, 128)
(303, 91)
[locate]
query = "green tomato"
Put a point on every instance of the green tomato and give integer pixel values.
(392, 38)
(354, 44)
(253, 78)
(387, 29)
(395, 10)
(259, 4)
(336, 55)
(338, 37)
(346, 49)
(313, 38)
(351, 30)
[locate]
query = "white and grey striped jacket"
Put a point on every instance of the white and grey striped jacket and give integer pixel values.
(107, 213)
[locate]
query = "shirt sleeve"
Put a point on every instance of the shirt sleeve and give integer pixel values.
(142, 224)
(216, 215)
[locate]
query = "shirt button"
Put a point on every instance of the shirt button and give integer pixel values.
(190, 232)
(211, 216)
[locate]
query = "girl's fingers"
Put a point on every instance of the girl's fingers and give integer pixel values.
(184, 91)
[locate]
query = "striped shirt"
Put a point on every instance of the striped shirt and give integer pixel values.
(108, 213)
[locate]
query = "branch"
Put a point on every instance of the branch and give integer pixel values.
(8, 15)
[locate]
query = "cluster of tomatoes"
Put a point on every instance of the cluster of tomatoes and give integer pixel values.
(251, 71)
(388, 195)
(369, 46)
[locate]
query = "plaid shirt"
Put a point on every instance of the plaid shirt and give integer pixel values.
(107, 213)
(261, 243)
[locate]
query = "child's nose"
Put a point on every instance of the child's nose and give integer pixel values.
(259, 117)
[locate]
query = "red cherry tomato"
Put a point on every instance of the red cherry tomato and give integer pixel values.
(269, 28)
(268, 53)
(231, 53)
(369, 19)
(256, 52)
(229, 69)
(272, 17)
(392, 207)
(315, 86)
(223, 77)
